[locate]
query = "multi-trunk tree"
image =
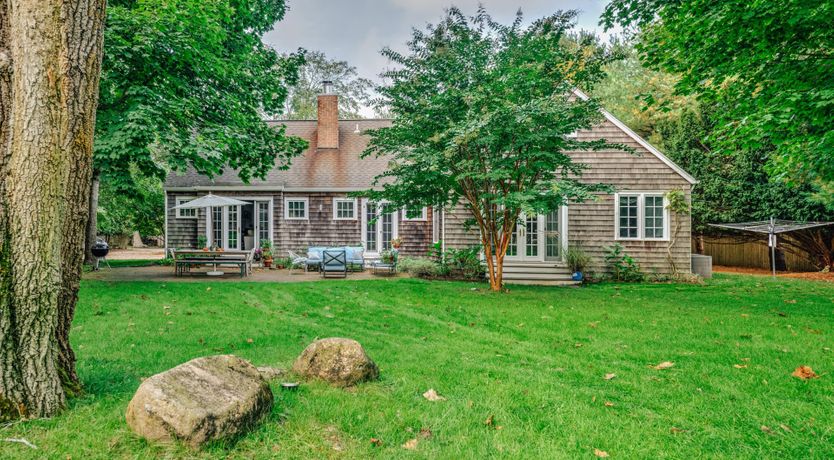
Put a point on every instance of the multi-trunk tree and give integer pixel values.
(50, 57)
(484, 115)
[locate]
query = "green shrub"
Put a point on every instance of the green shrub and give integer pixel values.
(419, 267)
(577, 259)
(622, 266)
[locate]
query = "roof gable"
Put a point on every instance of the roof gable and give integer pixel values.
(644, 143)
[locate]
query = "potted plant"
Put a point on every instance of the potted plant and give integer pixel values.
(202, 242)
(577, 261)
(389, 257)
(266, 253)
(396, 243)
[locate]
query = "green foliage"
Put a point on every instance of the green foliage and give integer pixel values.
(733, 186)
(677, 201)
(419, 266)
(622, 266)
(483, 114)
(353, 90)
(766, 65)
(266, 249)
(577, 259)
(202, 241)
(122, 213)
(457, 263)
(186, 82)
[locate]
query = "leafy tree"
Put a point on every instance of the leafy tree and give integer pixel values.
(639, 96)
(186, 82)
(142, 210)
(353, 90)
(483, 114)
(770, 66)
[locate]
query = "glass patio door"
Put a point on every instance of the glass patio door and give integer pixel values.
(537, 238)
(378, 227)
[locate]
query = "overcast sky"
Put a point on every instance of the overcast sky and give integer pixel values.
(356, 30)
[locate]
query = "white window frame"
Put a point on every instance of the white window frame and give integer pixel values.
(336, 202)
(179, 215)
(304, 200)
(395, 227)
(423, 217)
(641, 216)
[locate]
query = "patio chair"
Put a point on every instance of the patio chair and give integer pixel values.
(334, 262)
(296, 261)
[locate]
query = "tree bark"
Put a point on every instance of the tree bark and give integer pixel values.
(82, 45)
(55, 55)
(92, 222)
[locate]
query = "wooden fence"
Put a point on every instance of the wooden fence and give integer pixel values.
(731, 252)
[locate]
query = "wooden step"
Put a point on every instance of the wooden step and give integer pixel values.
(544, 282)
(536, 269)
(537, 276)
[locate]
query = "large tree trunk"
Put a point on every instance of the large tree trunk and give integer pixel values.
(92, 222)
(83, 46)
(55, 54)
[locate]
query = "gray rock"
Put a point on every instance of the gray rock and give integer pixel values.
(208, 398)
(271, 373)
(341, 362)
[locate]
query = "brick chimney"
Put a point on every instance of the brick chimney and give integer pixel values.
(328, 117)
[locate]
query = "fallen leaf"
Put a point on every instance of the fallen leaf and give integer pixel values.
(432, 395)
(577, 345)
(425, 433)
(609, 376)
(790, 301)
(766, 429)
(677, 430)
(376, 442)
(490, 421)
(208, 288)
(785, 427)
(499, 427)
(804, 373)
(600, 453)
(249, 341)
(593, 324)
(740, 366)
(411, 444)
(664, 365)
(609, 404)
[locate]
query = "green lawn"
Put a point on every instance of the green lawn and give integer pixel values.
(533, 361)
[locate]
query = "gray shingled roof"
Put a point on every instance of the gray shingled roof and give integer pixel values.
(340, 168)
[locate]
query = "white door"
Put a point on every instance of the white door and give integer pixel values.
(378, 227)
(539, 238)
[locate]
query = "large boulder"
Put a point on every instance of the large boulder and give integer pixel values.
(213, 397)
(342, 362)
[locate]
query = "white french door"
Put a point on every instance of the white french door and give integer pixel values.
(223, 226)
(378, 227)
(539, 238)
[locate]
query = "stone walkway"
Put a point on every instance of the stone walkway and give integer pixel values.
(166, 274)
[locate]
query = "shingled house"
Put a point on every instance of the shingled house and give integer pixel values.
(308, 205)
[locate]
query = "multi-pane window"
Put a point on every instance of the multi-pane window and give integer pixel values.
(387, 221)
(654, 216)
(419, 214)
(371, 227)
(553, 235)
(629, 221)
(233, 227)
(185, 213)
(263, 221)
(295, 208)
(641, 216)
(217, 226)
(344, 209)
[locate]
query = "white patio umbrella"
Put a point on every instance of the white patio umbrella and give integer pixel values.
(211, 201)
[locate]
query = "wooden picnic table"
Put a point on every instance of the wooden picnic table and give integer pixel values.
(210, 257)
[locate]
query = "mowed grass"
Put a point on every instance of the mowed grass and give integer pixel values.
(532, 361)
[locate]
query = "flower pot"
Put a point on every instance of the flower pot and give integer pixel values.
(268, 263)
(578, 276)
